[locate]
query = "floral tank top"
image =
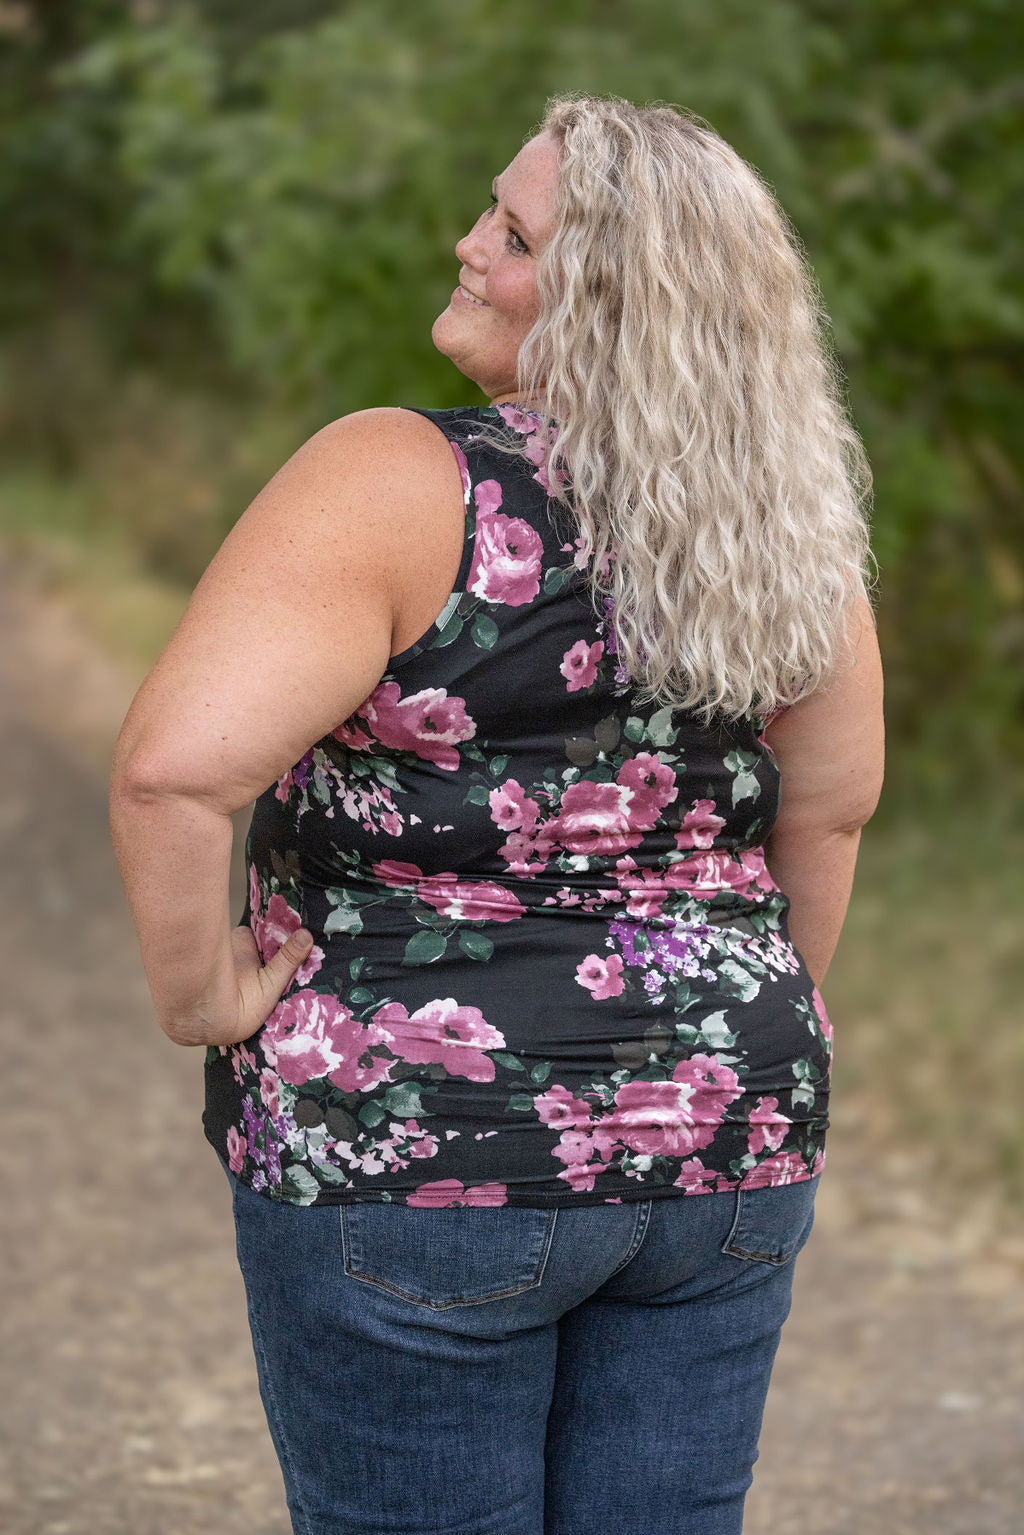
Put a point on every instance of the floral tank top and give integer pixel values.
(550, 965)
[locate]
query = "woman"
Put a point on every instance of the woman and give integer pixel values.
(531, 951)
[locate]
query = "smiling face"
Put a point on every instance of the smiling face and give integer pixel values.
(496, 302)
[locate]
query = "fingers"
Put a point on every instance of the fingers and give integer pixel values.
(278, 971)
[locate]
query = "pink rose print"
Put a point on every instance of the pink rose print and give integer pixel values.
(700, 825)
(479, 900)
(706, 873)
(594, 818)
(601, 977)
(784, 1167)
(237, 1147)
(441, 1033)
(652, 786)
(672, 1118)
(449, 1191)
(576, 1149)
(310, 1035)
(694, 1177)
(511, 807)
(768, 1126)
(557, 1107)
(270, 1084)
(273, 927)
(428, 723)
(579, 665)
(655, 1118)
(528, 853)
(541, 434)
(472, 901)
(506, 556)
(824, 1022)
(645, 889)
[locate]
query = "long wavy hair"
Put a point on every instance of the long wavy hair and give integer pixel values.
(697, 435)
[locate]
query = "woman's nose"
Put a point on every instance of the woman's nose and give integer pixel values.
(470, 249)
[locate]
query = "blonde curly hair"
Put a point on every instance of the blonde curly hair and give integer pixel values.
(698, 436)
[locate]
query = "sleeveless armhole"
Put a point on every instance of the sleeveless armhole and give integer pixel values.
(430, 635)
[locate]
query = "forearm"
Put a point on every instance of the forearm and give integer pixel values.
(174, 854)
(814, 867)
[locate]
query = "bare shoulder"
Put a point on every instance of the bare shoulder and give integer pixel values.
(363, 488)
(388, 442)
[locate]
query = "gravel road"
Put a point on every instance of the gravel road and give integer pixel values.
(129, 1402)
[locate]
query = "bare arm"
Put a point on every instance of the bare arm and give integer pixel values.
(290, 628)
(830, 751)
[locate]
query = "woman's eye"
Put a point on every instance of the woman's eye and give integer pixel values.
(514, 242)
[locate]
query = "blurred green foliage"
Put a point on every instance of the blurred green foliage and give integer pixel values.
(226, 223)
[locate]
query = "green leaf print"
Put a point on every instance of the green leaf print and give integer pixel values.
(359, 996)
(372, 1114)
(331, 1174)
(450, 632)
(404, 1100)
(520, 1101)
(424, 947)
(484, 632)
(300, 1182)
(355, 966)
(498, 765)
(634, 729)
(541, 1071)
(343, 919)
(475, 945)
(744, 784)
(737, 982)
(504, 1058)
(556, 577)
(479, 794)
(716, 1033)
(659, 728)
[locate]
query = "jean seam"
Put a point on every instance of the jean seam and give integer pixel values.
(643, 1216)
(260, 1348)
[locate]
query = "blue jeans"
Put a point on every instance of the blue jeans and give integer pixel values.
(505, 1371)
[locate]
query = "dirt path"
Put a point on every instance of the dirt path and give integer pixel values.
(129, 1404)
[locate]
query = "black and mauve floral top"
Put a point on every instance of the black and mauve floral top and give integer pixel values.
(550, 964)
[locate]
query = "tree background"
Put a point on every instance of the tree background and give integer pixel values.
(225, 224)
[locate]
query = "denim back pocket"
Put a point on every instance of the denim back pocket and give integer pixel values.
(453, 1256)
(772, 1223)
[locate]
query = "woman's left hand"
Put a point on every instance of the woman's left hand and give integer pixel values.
(243, 1007)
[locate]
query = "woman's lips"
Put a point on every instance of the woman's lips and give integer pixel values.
(460, 296)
